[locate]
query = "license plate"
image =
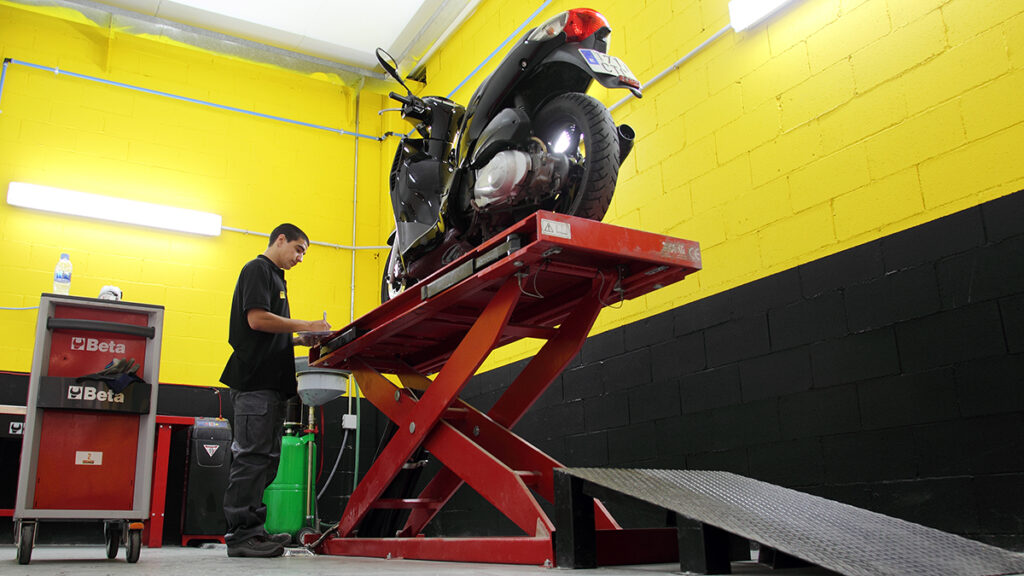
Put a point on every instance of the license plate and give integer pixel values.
(607, 64)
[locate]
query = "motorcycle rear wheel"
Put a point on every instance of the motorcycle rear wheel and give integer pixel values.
(581, 127)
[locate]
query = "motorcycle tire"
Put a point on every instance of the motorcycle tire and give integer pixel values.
(592, 142)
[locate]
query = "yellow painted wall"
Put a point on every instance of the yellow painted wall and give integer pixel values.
(833, 123)
(61, 131)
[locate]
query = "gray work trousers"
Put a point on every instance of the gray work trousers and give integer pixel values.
(256, 450)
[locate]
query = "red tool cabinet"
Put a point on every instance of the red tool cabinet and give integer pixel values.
(87, 451)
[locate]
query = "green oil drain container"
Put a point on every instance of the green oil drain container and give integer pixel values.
(286, 497)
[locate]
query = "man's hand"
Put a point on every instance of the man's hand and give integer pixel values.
(307, 337)
(318, 326)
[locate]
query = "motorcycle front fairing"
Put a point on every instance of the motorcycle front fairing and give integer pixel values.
(421, 178)
(415, 195)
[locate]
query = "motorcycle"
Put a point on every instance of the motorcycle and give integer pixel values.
(530, 139)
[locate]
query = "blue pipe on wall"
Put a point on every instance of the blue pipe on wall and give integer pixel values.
(177, 97)
(3, 76)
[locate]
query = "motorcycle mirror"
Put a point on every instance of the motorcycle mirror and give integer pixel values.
(391, 67)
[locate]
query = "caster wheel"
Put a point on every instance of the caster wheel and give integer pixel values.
(133, 546)
(112, 538)
(300, 537)
(26, 537)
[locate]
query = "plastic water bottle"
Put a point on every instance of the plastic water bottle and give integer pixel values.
(62, 276)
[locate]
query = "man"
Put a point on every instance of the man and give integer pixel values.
(261, 375)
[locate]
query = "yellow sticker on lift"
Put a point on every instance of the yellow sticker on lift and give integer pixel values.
(89, 458)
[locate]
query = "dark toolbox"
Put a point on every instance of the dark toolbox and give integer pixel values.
(209, 460)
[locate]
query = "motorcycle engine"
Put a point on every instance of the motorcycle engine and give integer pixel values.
(514, 177)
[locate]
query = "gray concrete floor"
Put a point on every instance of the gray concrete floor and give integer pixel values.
(213, 559)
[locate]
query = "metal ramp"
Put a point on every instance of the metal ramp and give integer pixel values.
(830, 534)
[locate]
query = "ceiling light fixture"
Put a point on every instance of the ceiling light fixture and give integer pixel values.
(744, 14)
(114, 209)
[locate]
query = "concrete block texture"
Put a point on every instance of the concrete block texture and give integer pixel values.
(886, 376)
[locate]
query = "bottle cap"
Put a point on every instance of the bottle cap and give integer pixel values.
(64, 255)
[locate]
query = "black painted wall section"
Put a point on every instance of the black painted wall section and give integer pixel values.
(889, 376)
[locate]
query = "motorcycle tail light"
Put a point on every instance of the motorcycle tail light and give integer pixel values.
(578, 24)
(549, 29)
(582, 23)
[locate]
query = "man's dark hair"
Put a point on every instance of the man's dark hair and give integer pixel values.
(291, 233)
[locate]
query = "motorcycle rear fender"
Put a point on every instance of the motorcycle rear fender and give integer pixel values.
(570, 54)
(526, 79)
(510, 128)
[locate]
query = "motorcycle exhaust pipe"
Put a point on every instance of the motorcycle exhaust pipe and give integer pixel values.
(626, 136)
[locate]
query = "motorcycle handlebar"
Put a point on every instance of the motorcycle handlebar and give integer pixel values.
(412, 106)
(403, 99)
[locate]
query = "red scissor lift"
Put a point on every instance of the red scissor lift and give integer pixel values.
(547, 278)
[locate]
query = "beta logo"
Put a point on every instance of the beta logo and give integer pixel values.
(95, 345)
(88, 393)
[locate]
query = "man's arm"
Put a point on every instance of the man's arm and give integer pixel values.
(266, 321)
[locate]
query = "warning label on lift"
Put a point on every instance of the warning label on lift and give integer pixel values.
(89, 458)
(211, 449)
(556, 229)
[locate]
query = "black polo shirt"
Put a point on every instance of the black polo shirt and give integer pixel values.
(260, 360)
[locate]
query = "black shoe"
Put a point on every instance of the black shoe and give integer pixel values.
(282, 538)
(255, 547)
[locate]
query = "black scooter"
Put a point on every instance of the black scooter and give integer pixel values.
(530, 139)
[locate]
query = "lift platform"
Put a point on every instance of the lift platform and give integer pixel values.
(547, 277)
(714, 507)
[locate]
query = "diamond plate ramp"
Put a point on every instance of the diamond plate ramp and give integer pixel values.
(833, 535)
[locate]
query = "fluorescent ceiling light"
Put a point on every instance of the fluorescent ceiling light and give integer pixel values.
(362, 26)
(114, 209)
(745, 13)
